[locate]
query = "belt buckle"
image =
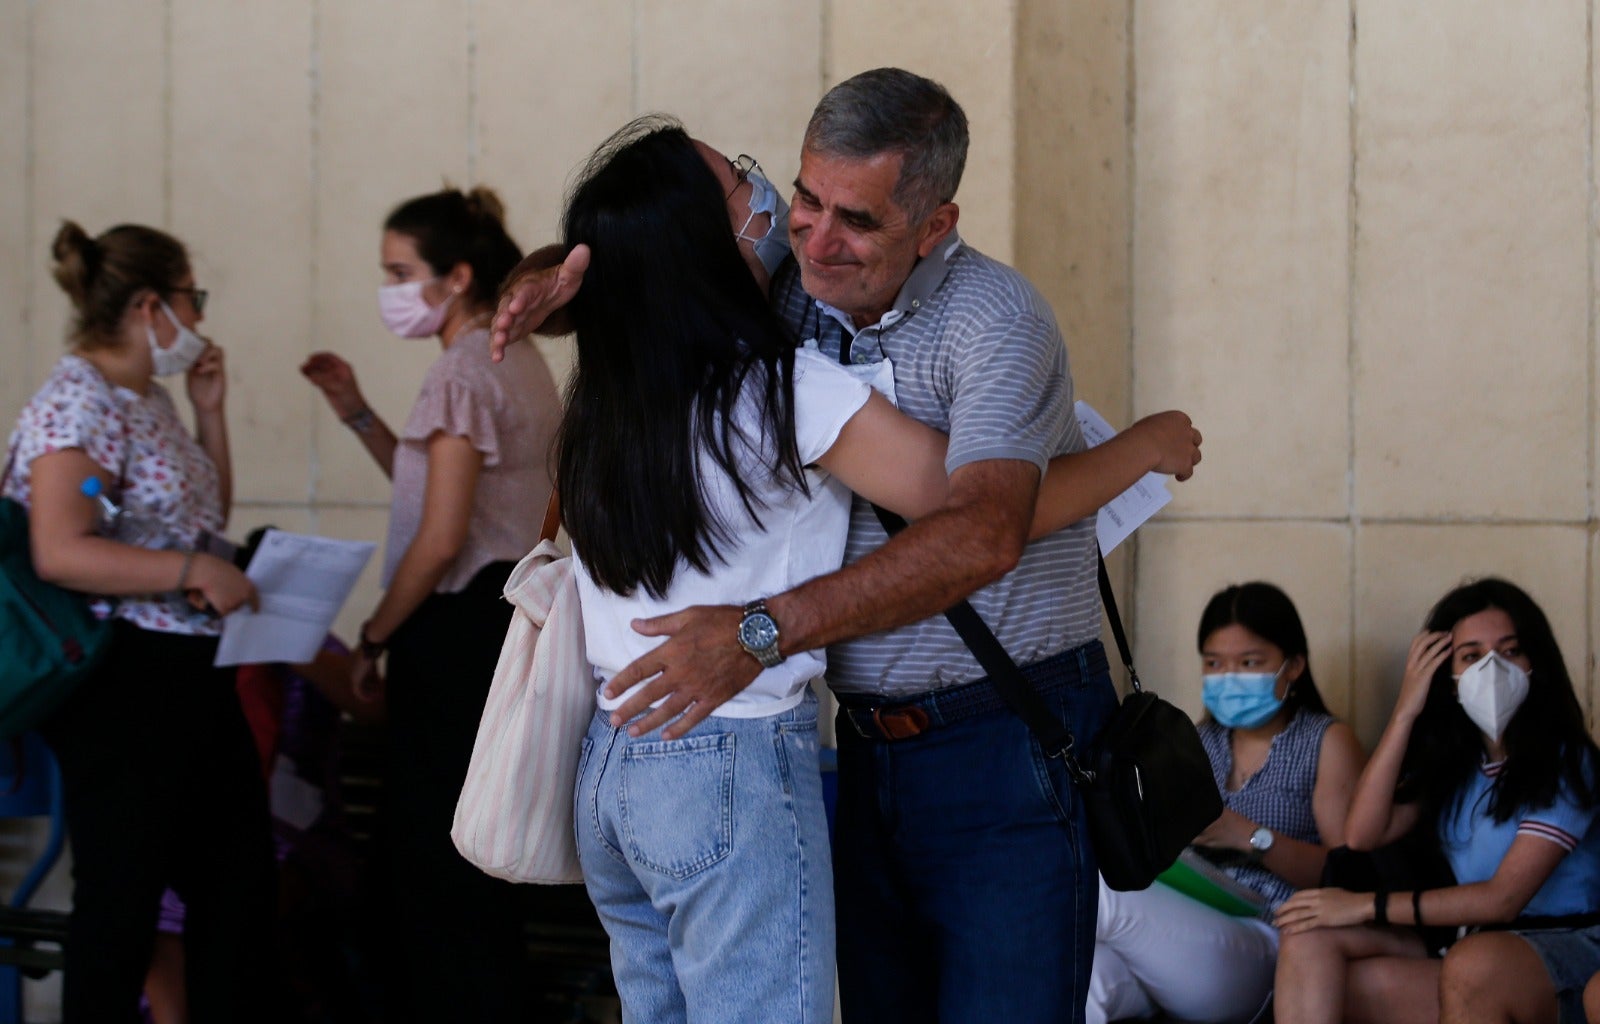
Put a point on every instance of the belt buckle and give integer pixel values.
(900, 723)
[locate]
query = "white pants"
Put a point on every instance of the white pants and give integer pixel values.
(1159, 950)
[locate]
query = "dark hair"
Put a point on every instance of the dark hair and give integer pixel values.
(1267, 612)
(890, 110)
(1546, 742)
(452, 227)
(671, 328)
(102, 276)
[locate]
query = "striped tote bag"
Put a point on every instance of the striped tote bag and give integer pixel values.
(514, 817)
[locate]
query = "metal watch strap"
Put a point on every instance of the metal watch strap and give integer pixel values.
(768, 657)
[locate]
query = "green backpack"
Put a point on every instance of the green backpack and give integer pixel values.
(50, 639)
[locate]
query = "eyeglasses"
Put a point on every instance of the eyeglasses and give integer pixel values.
(741, 170)
(197, 296)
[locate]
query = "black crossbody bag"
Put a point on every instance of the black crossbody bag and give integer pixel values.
(1146, 781)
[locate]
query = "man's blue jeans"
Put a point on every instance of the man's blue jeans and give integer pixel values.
(963, 877)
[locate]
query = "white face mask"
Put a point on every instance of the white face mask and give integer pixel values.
(1490, 691)
(406, 313)
(773, 246)
(181, 354)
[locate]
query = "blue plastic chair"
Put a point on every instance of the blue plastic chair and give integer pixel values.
(30, 787)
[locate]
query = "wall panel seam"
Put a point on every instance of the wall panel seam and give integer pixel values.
(824, 29)
(472, 92)
(1354, 522)
(1352, 284)
(633, 59)
(30, 219)
(313, 267)
(1130, 150)
(167, 137)
(1590, 419)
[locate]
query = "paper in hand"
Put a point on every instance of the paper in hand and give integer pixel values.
(303, 582)
(1133, 507)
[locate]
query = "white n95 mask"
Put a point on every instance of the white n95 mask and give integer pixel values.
(183, 353)
(1490, 691)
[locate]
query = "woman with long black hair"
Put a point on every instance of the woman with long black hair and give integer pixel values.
(705, 459)
(1488, 748)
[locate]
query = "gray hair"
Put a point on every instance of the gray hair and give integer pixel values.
(889, 110)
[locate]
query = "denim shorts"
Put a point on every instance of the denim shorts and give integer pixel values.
(1571, 956)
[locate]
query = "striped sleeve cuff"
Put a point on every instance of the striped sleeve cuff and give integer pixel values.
(1544, 830)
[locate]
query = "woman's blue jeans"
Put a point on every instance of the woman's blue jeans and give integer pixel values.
(707, 858)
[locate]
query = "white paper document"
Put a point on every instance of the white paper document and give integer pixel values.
(303, 582)
(1133, 507)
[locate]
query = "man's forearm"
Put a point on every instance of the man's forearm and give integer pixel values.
(929, 566)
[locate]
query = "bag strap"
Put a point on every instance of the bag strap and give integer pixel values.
(1054, 738)
(552, 516)
(1109, 599)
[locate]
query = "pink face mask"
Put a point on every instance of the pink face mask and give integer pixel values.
(405, 312)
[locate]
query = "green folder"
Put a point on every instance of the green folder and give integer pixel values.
(1197, 878)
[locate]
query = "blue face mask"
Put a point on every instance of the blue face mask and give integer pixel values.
(1242, 700)
(772, 247)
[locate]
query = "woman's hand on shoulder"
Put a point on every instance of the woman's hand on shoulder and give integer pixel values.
(1428, 652)
(207, 380)
(220, 585)
(336, 380)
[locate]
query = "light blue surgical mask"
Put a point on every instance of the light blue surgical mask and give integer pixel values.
(1242, 700)
(773, 246)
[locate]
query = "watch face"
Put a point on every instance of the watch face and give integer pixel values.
(758, 631)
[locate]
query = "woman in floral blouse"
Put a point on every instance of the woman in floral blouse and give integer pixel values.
(161, 778)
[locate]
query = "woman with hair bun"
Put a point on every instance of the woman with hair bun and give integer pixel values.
(470, 486)
(162, 783)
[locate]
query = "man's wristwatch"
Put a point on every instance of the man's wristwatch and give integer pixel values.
(758, 634)
(1260, 843)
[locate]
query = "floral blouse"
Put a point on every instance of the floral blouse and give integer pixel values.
(162, 472)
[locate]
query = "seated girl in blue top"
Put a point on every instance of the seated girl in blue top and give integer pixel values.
(1487, 740)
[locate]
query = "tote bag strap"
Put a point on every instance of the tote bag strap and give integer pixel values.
(552, 517)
